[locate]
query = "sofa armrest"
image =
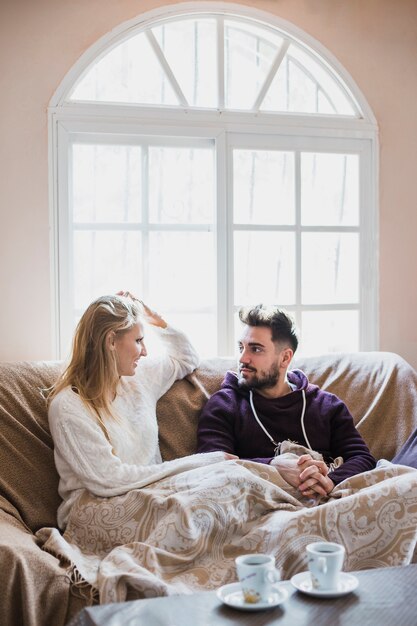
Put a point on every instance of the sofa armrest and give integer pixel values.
(34, 588)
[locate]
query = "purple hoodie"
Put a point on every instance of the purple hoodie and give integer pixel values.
(227, 423)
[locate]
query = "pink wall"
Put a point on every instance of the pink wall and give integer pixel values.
(375, 40)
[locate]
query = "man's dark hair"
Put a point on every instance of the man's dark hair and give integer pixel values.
(282, 325)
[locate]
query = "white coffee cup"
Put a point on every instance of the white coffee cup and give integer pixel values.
(325, 562)
(257, 574)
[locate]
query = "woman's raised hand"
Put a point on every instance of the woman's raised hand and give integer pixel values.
(151, 317)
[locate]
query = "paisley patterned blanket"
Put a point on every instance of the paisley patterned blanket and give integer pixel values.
(182, 534)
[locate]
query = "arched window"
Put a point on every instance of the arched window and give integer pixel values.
(206, 159)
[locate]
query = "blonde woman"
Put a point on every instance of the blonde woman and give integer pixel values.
(102, 410)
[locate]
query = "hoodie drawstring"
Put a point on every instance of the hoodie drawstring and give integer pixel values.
(277, 445)
(303, 412)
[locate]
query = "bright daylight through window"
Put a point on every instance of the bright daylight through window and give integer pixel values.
(209, 160)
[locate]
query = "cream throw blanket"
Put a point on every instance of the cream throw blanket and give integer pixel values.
(182, 534)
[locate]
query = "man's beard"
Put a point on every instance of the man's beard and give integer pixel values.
(266, 380)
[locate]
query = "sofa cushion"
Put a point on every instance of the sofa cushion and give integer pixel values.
(28, 478)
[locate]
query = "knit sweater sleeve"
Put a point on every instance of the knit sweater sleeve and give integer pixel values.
(85, 458)
(178, 360)
(347, 442)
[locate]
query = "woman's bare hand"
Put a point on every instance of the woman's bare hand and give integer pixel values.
(150, 317)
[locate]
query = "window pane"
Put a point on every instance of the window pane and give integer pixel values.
(263, 187)
(302, 89)
(330, 268)
(181, 185)
(106, 182)
(105, 262)
(182, 270)
(304, 85)
(329, 331)
(291, 90)
(130, 72)
(329, 189)
(200, 328)
(325, 79)
(249, 54)
(193, 62)
(264, 268)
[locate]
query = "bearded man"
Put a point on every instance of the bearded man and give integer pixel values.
(264, 406)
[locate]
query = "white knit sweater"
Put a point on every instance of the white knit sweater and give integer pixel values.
(83, 456)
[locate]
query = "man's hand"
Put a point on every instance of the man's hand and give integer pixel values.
(287, 465)
(315, 483)
(313, 477)
(306, 460)
(304, 473)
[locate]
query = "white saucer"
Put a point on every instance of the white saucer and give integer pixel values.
(303, 583)
(232, 596)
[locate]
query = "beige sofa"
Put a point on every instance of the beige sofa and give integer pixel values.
(379, 388)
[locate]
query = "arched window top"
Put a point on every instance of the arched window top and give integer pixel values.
(212, 131)
(218, 61)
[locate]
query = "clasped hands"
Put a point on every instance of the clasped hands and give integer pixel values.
(306, 474)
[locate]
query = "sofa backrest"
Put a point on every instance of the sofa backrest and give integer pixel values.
(380, 390)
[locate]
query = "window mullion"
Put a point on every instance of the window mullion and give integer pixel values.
(368, 269)
(167, 68)
(66, 240)
(220, 63)
(271, 75)
(145, 221)
(222, 235)
(298, 237)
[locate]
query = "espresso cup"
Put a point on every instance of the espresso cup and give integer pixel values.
(257, 574)
(325, 562)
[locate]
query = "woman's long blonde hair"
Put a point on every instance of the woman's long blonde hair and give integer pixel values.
(92, 370)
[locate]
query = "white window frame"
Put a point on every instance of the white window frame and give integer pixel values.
(286, 131)
(368, 338)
